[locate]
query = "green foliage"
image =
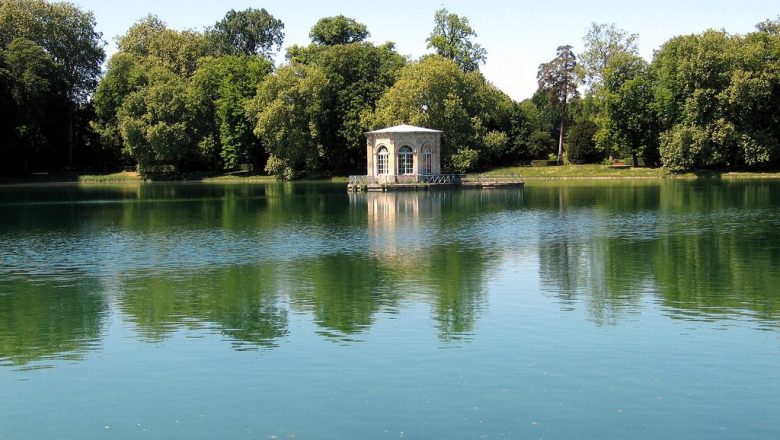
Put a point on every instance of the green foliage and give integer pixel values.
(222, 87)
(628, 125)
(287, 111)
(451, 38)
(602, 43)
(465, 159)
(66, 32)
(358, 75)
(51, 60)
(248, 32)
(715, 93)
(151, 41)
(331, 31)
(581, 146)
(157, 121)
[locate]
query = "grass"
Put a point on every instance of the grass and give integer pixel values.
(552, 173)
(582, 172)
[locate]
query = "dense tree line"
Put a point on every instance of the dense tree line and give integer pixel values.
(212, 100)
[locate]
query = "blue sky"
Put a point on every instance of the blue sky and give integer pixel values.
(518, 35)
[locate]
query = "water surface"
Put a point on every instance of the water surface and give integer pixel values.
(576, 310)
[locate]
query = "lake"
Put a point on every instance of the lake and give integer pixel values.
(609, 310)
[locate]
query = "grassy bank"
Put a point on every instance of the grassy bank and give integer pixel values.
(565, 172)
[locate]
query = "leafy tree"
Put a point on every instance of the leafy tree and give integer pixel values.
(68, 36)
(358, 75)
(287, 111)
(559, 77)
(152, 42)
(222, 87)
(451, 38)
(628, 122)
(331, 31)
(249, 32)
(30, 73)
(713, 91)
(157, 123)
(125, 74)
(581, 147)
(602, 43)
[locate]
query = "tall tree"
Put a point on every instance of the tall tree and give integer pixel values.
(451, 38)
(331, 31)
(68, 36)
(560, 78)
(602, 43)
(628, 123)
(287, 111)
(249, 32)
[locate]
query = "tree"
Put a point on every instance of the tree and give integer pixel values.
(559, 77)
(358, 75)
(30, 72)
(222, 87)
(628, 122)
(155, 45)
(157, 123)
(125, 74)
(331, 31)
(249, 32)
(451, 38)
(287, 111)
(68, 36)
(714, 93)
(602, 43)
(770, 26)
(581, 147)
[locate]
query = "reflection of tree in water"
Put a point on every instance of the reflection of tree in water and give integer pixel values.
(710, 251)
(421, 238)
(50, 320)
(242, 302)
(456, 274)
(344, 291)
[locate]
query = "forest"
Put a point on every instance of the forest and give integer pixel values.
(214, 101)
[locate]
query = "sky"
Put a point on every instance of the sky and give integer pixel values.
(518, 35)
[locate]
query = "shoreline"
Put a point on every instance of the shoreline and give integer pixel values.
(541, 174)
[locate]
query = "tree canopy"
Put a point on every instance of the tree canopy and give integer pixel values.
(331, 31)
(452, 38)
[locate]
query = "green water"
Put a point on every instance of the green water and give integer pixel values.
(604, 311)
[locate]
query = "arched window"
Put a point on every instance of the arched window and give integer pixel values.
(427, 160)
(381, 161)
(405, 161)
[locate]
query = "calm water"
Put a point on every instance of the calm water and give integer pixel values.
(608, 310)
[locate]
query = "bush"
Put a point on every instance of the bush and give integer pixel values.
(580, 146)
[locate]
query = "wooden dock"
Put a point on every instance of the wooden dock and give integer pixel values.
(426, 183)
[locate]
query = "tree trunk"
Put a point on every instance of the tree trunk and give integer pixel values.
(560, 142)
(70, 137)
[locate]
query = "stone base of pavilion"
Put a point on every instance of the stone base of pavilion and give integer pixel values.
(430, 182)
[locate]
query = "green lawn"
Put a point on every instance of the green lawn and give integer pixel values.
(581, 172)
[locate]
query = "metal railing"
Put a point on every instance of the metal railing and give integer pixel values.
(439, 179)
(494, 179)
